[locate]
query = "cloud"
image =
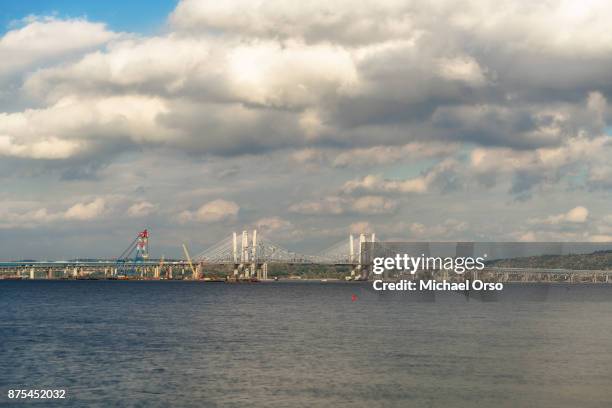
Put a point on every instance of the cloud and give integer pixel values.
(328, 205)
(444, 176)
(334, 205)
(18, 218)
(377, 183)
(500, 125)
(213, 211)
(46, 39)
(383, 112)
(272, 223)
(373, 205)
(20, 214)
(561, 235)
(381, 155)
(361, 227)
(575, 215)
(291, 75)
(315, 21)
(523, 27)
(464, 69)
(528, 236)
(198, 83)
(544, 166)
(278, 229)
(86, 211)
(85, 125)
(141, 209)
(249, 77)
(448, 229)
(47, 148)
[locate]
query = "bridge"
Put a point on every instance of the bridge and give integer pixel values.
(247, 256)
(250, 255)
(500, 274)
(516, 275)
(75, 269)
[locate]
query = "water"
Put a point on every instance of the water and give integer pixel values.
(159, 344)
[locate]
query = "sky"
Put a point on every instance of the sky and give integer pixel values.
(417, 120)
(117, 15)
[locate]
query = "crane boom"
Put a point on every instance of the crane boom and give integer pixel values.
(193, 270)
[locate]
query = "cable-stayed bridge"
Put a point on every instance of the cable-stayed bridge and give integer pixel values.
(251, 254)
(247, 254)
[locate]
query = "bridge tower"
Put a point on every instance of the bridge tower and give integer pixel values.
(245, 254)
(245, 258)
(241, 260)
(359, 264)
(253, 270)
(259, 266)
(235, 254)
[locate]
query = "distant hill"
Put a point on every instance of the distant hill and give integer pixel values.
(598, 260)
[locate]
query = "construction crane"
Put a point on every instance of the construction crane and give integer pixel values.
(134, 255)
(193, 270)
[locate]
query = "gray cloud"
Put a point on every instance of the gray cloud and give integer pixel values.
(309, 121)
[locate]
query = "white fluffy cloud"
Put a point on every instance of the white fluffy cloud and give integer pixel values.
(544, 166)
(48, 148)
(514, 25)
(273, 224)
(270, 75)
(86, 211)
(575, 215)
(73, 125)
(373, 205)
(376, 183)
(46, 39)
(328, 205)
(314, 108)
(213, 211)
(366, 205)
(141, 209)
(315, 21)
(30, 214)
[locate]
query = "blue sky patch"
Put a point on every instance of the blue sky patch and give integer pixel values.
(133, 16)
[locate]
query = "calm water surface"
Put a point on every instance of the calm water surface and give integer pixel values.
(159, 344)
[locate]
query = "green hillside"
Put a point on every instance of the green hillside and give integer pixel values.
(599, 260)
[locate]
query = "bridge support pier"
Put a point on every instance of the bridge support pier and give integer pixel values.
(360, 266)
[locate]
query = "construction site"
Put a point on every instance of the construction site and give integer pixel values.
(239, 258)
(249, 258)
